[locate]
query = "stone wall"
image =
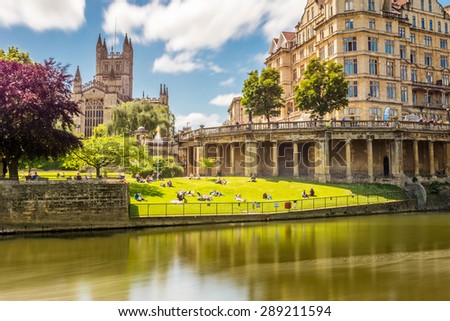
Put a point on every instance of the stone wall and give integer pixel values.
(63, 205)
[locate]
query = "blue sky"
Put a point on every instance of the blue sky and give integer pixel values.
(201, 49)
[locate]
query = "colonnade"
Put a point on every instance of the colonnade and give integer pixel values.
(325, 158)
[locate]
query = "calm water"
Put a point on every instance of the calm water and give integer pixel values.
(397, 257)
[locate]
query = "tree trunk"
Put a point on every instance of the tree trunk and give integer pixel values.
(13, 168)
(97, 171)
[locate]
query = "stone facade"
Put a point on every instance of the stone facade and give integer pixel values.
(326, 151)
(63, 205)
(394, 52)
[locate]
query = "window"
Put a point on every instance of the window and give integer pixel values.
(413, 57)
(331, 49)
(348, 24)
(371, 5)
(402, 52)
(439, 27)
(374, 113)
(444, 61)
(372, 24)
(446, 27)
(373, 66)
(403, 72)
(389, 46)
(322, 53)
(351, 66)
(412, 38)
(374, 89)
(445, 79)
(294, 74)
(422, 4)
(431, 25)
(429, 77)
(430, 7)
(443, 44)
(389, 68)
(388, 26)
(348, 5)
(414, 22)
(422, 22)
(414, 75)
(373, 44)
(427, 40)
(428, 59)
(105, 68)
(350, 44)
(352, 89)
(404, 93)
(390, 91)
(402, 32)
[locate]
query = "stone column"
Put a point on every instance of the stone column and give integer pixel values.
(397, 161)
(348, 160)
(295, 156)
(275, 171)
(321, 161)
(431, 158)
(188, 161)
(200, 154)
(416, 158)
(447, 159)
(232, 170)
(369, 160)
(218, 157)
(251, 158)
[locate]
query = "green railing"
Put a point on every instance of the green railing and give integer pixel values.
(257, 207)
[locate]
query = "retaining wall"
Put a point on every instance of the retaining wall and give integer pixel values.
(63, 205)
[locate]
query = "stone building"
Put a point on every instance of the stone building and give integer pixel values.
(395, 55)
(111, 86)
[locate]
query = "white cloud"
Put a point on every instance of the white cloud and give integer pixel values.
(198, 25)
(41, 15)
(227, 82)
(224, 100)
(194, 120)
(183, 62)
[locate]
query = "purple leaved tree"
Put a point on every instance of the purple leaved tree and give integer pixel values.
(36, 112)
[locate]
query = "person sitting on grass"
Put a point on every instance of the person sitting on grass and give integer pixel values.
(252, 178)
(304, 195)
(169, 183)
(239, 198)
(138, 197)
(311, 192)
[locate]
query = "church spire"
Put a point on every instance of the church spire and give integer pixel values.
(77, 74)
(99, 40)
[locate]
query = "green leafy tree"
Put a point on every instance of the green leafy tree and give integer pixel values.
(129, 116)
(36, 110)
(322, 89)
(208, 164)
(262, 94)
(14, 54)
(99, 151)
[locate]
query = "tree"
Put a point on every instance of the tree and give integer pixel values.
(322, 89)
(262, 94)
(208, 164)
(131, 115)
(14, 54)
(99, 151)
(36, 111)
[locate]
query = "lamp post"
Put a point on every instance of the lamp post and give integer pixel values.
(250, 115)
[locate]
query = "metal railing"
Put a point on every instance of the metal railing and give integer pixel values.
(208, 208)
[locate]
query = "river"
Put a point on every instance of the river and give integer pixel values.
(384, 257)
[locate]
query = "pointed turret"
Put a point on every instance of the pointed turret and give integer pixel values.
(77, 82)
(99, 40)
(125, 41)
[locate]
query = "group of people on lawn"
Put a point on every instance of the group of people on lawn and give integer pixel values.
(181, 195)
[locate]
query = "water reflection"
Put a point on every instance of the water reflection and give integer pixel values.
(361, 258)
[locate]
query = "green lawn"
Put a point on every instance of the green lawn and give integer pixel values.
(283, 190)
